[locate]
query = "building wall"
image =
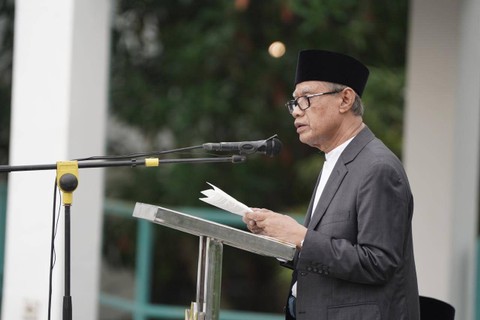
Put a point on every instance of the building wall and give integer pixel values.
(441, 146)
(59, 103)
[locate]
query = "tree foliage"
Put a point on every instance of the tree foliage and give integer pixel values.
(189, 72)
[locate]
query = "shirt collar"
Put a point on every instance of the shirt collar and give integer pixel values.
(335, 153)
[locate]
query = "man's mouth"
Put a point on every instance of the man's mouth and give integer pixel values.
(300, 126)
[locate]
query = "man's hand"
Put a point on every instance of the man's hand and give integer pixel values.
(275, 225)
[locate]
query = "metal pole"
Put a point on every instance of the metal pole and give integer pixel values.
(209, 278)
(67, 299)
(213, 281)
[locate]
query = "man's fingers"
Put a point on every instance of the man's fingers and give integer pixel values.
(257, 214)
(254, 228)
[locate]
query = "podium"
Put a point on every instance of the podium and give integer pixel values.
(212, 236)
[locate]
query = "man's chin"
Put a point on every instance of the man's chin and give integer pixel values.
(303, 138)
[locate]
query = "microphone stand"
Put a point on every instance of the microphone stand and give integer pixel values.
(147, 162)
(67, 181)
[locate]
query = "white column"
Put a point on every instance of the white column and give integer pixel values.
(442, 144)
(59, 100)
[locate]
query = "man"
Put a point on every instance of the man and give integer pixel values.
(354, 254)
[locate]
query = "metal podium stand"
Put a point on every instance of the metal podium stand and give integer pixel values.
(212, 236)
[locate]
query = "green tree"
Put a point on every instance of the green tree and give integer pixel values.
(199, 71)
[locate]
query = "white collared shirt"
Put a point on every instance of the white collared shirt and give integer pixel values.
(331, 159)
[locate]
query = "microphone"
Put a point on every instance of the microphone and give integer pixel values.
(270, 147)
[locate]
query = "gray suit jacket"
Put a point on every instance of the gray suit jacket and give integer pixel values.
(357, 260)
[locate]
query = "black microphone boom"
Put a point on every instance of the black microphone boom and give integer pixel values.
(270, 147)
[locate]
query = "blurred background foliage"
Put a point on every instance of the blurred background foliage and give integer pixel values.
(186, 72)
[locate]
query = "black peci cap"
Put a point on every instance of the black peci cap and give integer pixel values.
(321, 65)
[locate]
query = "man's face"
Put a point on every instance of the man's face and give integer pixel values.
(318, 125)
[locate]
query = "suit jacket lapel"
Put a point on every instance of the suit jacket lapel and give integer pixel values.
(308, 216)
(337, 175)
(333, 183)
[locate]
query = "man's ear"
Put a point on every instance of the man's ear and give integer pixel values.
(348, 98)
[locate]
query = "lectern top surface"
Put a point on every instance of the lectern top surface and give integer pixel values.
(228, 235)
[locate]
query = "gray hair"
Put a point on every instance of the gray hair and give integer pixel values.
(357, 106)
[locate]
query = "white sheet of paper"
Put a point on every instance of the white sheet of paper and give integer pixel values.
(218, 198)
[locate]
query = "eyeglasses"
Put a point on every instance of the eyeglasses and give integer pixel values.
(303, 102)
